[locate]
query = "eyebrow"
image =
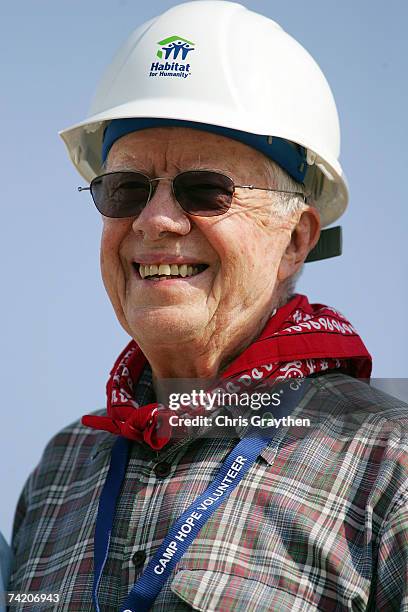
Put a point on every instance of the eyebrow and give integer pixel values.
(229, 173)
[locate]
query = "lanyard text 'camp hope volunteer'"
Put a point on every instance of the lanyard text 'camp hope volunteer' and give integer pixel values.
(183, 532)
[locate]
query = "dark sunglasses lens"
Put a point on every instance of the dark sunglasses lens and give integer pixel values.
(120, 194)
(203, 193)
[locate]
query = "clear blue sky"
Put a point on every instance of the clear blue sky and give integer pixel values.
(59, 335)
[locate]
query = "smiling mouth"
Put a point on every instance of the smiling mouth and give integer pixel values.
(166, 271)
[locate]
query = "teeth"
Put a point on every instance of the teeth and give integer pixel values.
(164, 269)
(182, 270)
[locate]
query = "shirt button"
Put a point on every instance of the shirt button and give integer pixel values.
(139, 558)
(162, 469)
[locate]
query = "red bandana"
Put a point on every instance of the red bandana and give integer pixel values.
(298, 340)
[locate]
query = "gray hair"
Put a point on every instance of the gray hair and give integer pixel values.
(285, 204)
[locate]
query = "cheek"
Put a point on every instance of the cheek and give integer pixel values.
(113, 234)
(243, 244)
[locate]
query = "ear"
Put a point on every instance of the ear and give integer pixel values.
(304, 237)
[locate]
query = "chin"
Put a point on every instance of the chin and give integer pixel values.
(164, 324)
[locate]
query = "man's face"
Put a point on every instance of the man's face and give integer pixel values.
(241, 249)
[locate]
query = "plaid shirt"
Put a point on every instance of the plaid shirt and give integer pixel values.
(320, 522)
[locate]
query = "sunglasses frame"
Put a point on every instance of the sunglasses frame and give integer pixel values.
(172, 179)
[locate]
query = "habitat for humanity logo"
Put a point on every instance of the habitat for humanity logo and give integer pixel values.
(174, 55)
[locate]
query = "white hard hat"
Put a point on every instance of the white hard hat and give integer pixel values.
(217, 63)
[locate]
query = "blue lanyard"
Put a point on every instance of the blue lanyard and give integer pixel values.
(187, 526)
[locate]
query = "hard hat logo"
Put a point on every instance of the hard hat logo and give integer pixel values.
(172, 48)
(175, 45)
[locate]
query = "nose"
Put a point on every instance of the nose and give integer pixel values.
(162, 215)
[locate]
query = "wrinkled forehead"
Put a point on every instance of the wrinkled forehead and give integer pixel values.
(169, 149)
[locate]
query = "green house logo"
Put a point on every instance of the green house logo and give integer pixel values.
(174, 47)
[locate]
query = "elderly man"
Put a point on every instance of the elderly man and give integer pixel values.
(212, 198)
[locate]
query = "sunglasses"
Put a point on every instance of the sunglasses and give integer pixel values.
(204, 193)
